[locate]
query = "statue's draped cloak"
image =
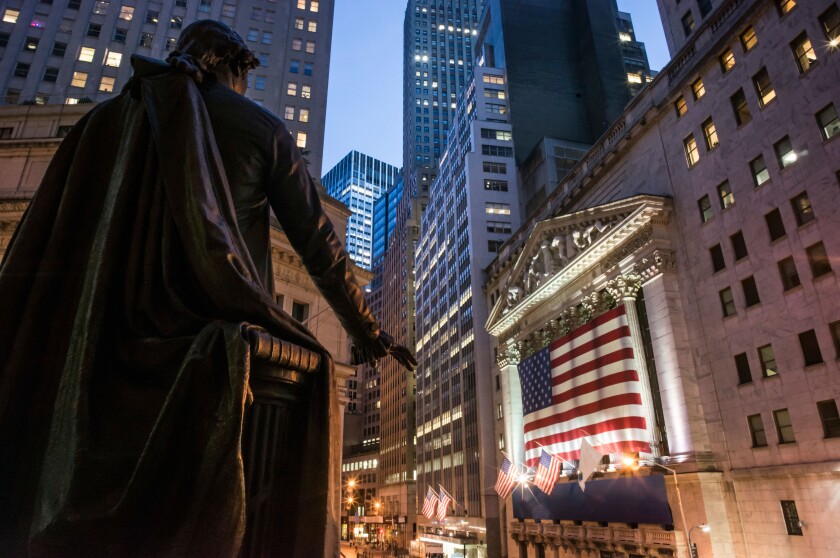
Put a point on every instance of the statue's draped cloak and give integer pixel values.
(123, 363)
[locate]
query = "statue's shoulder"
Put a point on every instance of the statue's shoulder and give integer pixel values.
(239, 111)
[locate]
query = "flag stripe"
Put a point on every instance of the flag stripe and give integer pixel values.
(596, 385)
(594, 343)
(592, 365)
(589, 408)
(589, 326)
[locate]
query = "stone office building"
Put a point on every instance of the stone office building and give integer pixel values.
(708, 210)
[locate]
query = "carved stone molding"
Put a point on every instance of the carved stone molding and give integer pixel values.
(632, 245)
(625, 286)
(656, 263)
(510, 355)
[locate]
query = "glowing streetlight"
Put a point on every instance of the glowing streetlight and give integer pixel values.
(691, 546)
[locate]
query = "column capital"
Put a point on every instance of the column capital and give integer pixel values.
(509, 355)
(625, 287)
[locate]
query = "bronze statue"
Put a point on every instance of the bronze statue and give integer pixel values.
(124, 295)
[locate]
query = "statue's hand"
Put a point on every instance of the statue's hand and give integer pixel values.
(381, 346)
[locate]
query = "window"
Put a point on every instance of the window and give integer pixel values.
(294, 66)
(788, 273)
(742, 365)
(727, 60)
(228, 10)
(301, 4)
(710, 134)
(759, 171)
(489, 78)
(759, 437)
(495, 168)
(496, 151)
(727, 302)
(169, 44)
(120, 35)
(830, 20)
(152, 16)
(305, 91)
(494, 246)
(291, 89)
(687, 23)
(263, 58)
(86, 54)
(307, 68)
(181, 3)
(705, 206)
(740, 107)
(310, 47)
(802, 209)
(810, 347)
(58, 49)
(501, 438)
(93, 30)
(493, 108)
(775, 225)
(834, 328)
(784, 6)
(500, 135)
(21, 69)
(739, 246)
(493, 208)
(768, 361)
(692, 154)
(312, 26)
(259, 83)
(176, 22)
(803, 52)
(634, 78)
(725, 195)
(51, 75)
(113, 59)
(496, 185)
(10, 15)
(301, 140)
(829, 418)
(680, 106)
(818, 259)
(31, 43)
(763, 87)
(253, 35)
(750, 289)
(297, 44)
(791, 517)
(828, 121)
(313, 6)
(6, 132)
(62, 131)
(204, 6)
(73, 5)
(4, 39)
(299, 23)
(749, 39)
(784, 427)
(79, 79)
(698, 89)
(100, 8)
(290, 113)
(784, 152)
(126, 13)
(499, 227)
(300, 311)
(107, 84)
(146, 40)
(303, 115)
(494, 93)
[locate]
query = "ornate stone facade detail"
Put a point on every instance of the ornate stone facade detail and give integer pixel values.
(632, 245)
(510, 355)
(657, 262)
(625, 286)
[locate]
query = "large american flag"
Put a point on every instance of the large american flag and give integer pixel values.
(429, 503)
(506, 480)
(584, 384)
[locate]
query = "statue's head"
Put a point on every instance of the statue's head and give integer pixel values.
(211, 47)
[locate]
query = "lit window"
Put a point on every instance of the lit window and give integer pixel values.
(634, 78)
(788, 273)
(759, 437)
(299, 23)
(169, 44)
(301, 140)
(100, 8)
(740, 107)
(291, 89)
(710, 134)
(829, 417)
(624, 37)
(71, 101)
(687, 23)
(768, 361)
(310, 47)
(301, 4)
(804, 52)
(692, 154)
(727, 199)
(107, 84)
(784, 152)
(497, 80)
(784, 6)
(749, 39)
(31, 43)
(493, 208)
(86, 54)
(680, 106)
(727, 302)
(763, 87)
(828, 121)
(127, 13)
(500, 135)
(727, 60)
(10, 15)
(705, 206)
(494, 93)
(312, 27)
(113, 59)
(303, 115)
(305, 92)
(290, 113)
(313, 6)
(830, 20)
(784, 426)
(79, 79)
(698, 89)
(759, 171)
(802, 209)
(152, 16)
(297, 44)
(176, 22)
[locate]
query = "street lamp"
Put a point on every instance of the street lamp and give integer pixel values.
(691, 546)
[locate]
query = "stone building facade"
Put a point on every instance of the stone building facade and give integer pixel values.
(709, 211)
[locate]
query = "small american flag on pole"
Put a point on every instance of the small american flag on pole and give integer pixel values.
(429, 503)
(506, 479)
(443, 505)
(548, 469)
(584, 383)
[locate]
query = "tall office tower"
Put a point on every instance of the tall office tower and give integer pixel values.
(77, 51)
(385, 219)
(634, 54)
(438, 58)
(472, 209)
(682, 19)
(358, 180)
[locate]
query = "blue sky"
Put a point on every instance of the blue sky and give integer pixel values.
(364, 106)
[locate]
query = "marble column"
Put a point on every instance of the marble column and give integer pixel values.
(625, 289)
(512, 402)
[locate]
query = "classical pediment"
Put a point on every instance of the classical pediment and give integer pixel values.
(562, 248)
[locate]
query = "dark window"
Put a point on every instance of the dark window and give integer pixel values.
(181, 3)
(742, 365)
(759, 171)
(31, 43)
(830, 20)
(739, 105)
(792, 523)
(763, 87)
(307, 69)
(751, 297)
(499, 227)
(829, 417)
(495, 168)
(58, 49)
(680, 106)
(120, 35)
(705, 205)
(63, 131)
(759, 437)
(496, 185)
(784, 426)
(21, 69)
(785, 154)
(787, 270)
(828, 122)
(300, 311)
(74, 4)
(834, 328)
(169, 44)
(739, 245)
(94, 29)
(51, 74)
(6, 132)
(727, 302)
(294, 66)
(818, 258)
(705, 7)
(810, 347)
(152, 16)
(804, 53)
(748, 38)
(4, 39)
(718, 262)
(775, 225)
(176, 22)
(725, 195)
(494, 245)
(767, 357)
(146, 40)
(688, 23)
(802, 209)
(496, 151)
